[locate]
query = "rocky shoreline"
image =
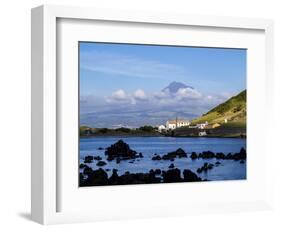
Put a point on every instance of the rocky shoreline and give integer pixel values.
(99, 177)
(121, 151)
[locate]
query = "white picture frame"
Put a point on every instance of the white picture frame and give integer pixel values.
(46, 165)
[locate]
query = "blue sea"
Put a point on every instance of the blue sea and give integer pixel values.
(148, 146)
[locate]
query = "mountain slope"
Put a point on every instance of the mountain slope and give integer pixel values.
(234, 110)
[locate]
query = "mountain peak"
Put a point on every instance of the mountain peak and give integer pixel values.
(174, 86)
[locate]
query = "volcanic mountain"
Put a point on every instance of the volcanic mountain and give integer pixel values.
(174, 86)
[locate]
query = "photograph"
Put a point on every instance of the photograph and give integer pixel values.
(152, 114)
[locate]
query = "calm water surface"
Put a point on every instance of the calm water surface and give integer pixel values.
(228, 170)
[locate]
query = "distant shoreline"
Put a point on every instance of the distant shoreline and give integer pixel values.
(229, 130)
(126, 136)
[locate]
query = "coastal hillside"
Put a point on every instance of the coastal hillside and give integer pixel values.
(233, 110)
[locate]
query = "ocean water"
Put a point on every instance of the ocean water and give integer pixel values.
(227, 170)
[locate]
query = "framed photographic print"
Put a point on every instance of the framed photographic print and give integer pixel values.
(137, 114)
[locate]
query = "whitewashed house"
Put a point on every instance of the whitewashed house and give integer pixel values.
(202, 125)
(173, 124)
(161, 128)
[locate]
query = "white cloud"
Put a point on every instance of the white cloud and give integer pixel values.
(140, 95)
(188, 93)
(162, 94)
(119, 94)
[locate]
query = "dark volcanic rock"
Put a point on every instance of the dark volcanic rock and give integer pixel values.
(229, 156)
(133, 178)
(99, 177)
(178, 153)
(241, 155)
(96, 177)
(121, 150)
(220, 156)
(97, 158)
(237, 156)
(81, 166)
(138, 178)
(88, 159)
(189, 176)
(101, 163)
(210, 166)
(171, 166)
(205, 168)
(87, 170)
(114, 177)
(193, 156)
(207, 154)
(172, 175)
(157, 171)
(118, 160)
(156, 158)
(81, 178)
(100, 148)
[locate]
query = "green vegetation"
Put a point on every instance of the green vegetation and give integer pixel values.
(230, 129)
(141, 131)
(146, 128)
(86, 130)
(233, 110)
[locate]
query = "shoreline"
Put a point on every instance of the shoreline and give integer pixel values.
(127, 136)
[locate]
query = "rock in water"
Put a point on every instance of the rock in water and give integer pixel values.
(101, 163)
(156, 158)
(88, 159)
(171, 166)
(121, 150)
(81, 166)
(220, 156)
(97, 158)
(193, 156)
(189, 176)
(172, 175)
(157, 171)
(208, 154)
(96, 177)
(178, 153)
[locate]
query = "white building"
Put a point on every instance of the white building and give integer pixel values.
(202, 125)
(201, 134)
(173, 124)
(161, 128)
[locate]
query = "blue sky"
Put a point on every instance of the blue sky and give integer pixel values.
(130, 78)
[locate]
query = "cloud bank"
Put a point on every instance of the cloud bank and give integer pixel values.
(137, 108)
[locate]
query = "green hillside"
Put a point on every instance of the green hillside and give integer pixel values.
(234, 110)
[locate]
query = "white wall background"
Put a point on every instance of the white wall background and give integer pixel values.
(15, 112)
